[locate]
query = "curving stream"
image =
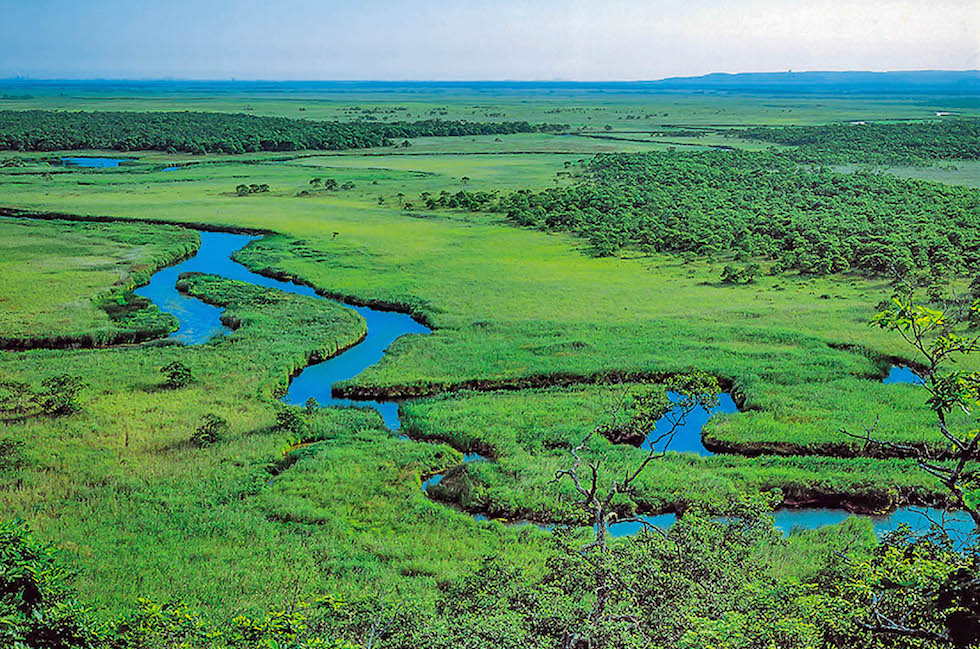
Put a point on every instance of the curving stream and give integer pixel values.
(199, 322)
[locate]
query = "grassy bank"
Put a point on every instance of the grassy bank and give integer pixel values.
(70, 284)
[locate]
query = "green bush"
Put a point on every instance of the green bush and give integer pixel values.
(288, 420)
(37, 605)
(178, 375)
(59, 395)
(212, 430)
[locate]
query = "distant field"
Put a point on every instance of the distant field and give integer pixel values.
(619, 108)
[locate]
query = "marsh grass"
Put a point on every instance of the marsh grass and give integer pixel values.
(70, 284)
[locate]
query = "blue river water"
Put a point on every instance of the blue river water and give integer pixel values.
(687, 437)
(899, 374)
(787, 521)
(200, 322)
(92, 163)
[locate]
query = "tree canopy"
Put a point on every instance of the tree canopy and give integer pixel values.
(199, 132)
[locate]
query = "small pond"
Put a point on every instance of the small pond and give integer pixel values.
(92, 163)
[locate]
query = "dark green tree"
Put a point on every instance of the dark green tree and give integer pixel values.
(178, 375)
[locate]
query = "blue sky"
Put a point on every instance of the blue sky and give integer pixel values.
(505, 39)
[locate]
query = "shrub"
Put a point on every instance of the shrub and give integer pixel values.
(178, 375)
(37, 605)
(743, 275)
(212, 430)
(58, 395)
(288, 419)
(15, 397)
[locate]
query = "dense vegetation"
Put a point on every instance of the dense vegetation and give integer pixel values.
(754, 205)
(196, 132)
(529, 433)
(876, 143)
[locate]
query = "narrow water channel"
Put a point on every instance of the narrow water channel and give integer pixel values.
(199, 322)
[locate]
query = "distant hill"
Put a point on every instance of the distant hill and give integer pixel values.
(918, 81)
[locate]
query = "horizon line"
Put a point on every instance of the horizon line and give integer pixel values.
(23, 78)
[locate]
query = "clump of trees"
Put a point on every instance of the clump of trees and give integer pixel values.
(199, 133)
(331, 184)
(245, 190)
(913, 143)
(752, 205)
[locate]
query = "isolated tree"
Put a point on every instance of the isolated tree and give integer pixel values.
(178, 375)
(599, 493)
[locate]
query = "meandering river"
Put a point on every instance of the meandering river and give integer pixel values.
(199, 322)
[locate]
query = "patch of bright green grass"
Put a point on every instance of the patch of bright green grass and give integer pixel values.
(233, 526)
(529, 433)
(67, 283)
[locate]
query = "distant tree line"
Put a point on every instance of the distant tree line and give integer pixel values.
(876, 143)
(752, 206)
(197, 132)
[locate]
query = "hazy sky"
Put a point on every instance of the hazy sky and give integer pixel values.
(464, 39)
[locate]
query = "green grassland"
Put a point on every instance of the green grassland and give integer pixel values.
(244, 524)
(509, 304)
(620, 108)
(529, 433)
(143, 512)
(64, 283)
